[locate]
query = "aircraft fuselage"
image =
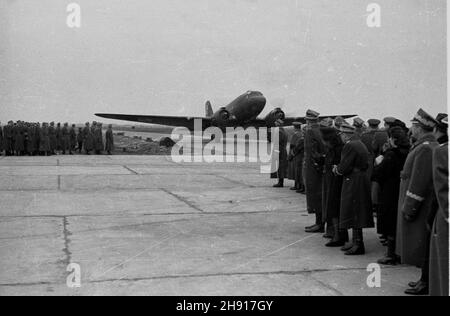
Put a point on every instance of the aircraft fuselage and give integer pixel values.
(247, 106)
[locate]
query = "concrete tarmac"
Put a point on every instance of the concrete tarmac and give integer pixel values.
(145, 225)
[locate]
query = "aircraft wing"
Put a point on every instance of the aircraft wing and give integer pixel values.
(288, 121)
(176, 121)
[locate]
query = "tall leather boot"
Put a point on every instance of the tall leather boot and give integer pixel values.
(391, 258)
(358, 244)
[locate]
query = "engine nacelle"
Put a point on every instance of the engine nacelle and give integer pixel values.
(276, 114)
(221, 117)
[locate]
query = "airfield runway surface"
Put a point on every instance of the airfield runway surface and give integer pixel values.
(144, 225)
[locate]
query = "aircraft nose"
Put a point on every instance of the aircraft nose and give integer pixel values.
(258, 103)
(259, 100)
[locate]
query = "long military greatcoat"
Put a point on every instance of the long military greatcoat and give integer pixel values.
(109, 140)
(44, 144)
(332, 184)
(280, 156)
(9, 138)
(88, 139)
(1, 139)
(416, 201)
(297, 152)
(439, 237)
(73, 138)
(387, 175)
(356, 204)
(313, 168)
(52, 136)
(98, 138)
(65, 138)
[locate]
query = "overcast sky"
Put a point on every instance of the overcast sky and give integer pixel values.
(170, 56)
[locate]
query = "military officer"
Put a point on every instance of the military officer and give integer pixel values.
(109, 140)
(280, 162)
(8, 138)
(65, 138)
(358, 123)
(98, 139)
(439, 259)
(1, 139)
(441, 129)
(59, 139)
(88, 139)
(416, 200)
(313, 170)
(52, 136)
(72, 139)
(80, 139)
(356, 204)
(296, 154)
(332, 187)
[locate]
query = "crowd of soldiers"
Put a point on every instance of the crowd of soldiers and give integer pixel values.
(35, 139)
(353, 173)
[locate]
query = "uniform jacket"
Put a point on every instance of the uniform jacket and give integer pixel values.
(1, 139)
(415, 201)
(356, 204)
(296, 154)
(282, 161)
(313, 168)
(439, 237)
(332, 183)
(387, 175)
(109, 140)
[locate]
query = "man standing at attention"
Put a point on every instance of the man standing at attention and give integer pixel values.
(356, 204)
(416, 200)
(313, 170)
(109, 140)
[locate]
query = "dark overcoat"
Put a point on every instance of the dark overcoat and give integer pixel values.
(296, 155)
(416, 200)
(1, 139)
(52, 137)
(387, 175)
(439, 238)
(313, 168)
(59, 140)
(280, 156)
(332, 184)
(98, 139)
(356, 204)
(109, 141)
(44, 144)
(19, 142)
(72, 138)
(9, 138)
(88, 139)
(65, 138)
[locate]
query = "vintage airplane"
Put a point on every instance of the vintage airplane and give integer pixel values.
(243, 111)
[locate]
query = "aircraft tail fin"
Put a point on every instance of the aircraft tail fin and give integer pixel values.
(208, 109)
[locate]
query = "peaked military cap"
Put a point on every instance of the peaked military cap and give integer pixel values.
(357, 122)
(424, 119)
(374, 122)
(347, 129)
(312, 115)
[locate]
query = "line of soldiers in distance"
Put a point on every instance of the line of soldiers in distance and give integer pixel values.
(35, 139)
(350, 173)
